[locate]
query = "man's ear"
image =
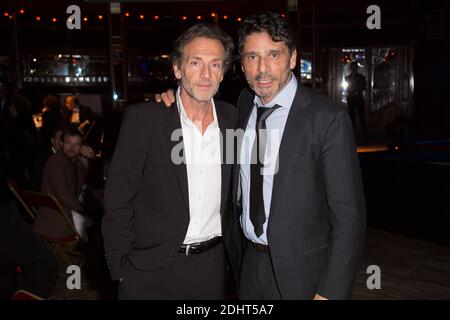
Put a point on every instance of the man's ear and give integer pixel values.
(293, 60)
(176, 71)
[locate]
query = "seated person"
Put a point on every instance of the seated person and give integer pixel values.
(82, 117)
(64, 176)
(77, 114)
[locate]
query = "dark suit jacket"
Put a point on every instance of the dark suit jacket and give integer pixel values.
(58, 179)
(317, 217)
(146, 195)
(85, 114)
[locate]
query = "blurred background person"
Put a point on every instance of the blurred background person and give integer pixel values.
(51, 118)
(355, 97)
(21, 139)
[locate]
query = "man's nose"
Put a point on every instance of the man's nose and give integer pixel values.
(262, 65)
(206, 72)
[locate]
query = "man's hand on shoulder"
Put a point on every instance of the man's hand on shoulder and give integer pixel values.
(168, 97)
(87, 152)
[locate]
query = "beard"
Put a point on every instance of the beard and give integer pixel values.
(278, 83)
(200, 95)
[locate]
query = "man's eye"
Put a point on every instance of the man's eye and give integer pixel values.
(251, 57)
(217, 65)
(274, 54)
(194, 63)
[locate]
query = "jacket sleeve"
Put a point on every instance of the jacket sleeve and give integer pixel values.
(345, 196)
(121, 187)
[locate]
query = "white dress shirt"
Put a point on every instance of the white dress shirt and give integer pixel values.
(204, 175)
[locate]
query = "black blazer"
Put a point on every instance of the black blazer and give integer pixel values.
(146, 196)
(317, 217)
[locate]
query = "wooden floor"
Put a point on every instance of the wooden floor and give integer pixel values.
(410, 269)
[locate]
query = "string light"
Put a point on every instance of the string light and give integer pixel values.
(141, 16)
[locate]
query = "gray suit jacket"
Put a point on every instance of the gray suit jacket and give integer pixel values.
(317, 217)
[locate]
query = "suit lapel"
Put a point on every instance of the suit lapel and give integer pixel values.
(245, 106)
(224, 124)
(293, 132)
(172, 123)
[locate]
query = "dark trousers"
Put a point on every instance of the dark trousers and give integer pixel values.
(356, 105)
(257, 276)
(186, 277)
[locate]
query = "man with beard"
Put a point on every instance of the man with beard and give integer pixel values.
(64, 176)
(168, 228)
(297, 186)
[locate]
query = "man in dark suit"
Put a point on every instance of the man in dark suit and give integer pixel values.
(82, 117)
(64, 175)
(301, 202)
(355, 97)
(169, 230)
(20, 246)
(77, 114)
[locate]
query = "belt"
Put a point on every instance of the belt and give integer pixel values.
(199, 247)
(260, 247)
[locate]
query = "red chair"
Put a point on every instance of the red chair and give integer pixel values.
(70, 246)
(25, 295)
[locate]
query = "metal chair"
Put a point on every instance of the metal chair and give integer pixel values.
(66, 247)
(18, 193)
